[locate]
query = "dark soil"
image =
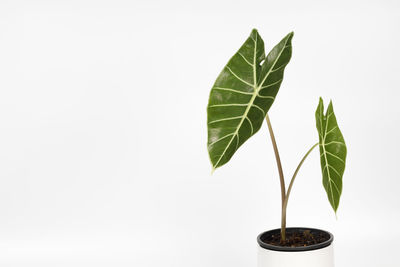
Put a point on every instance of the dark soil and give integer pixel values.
(297, 239)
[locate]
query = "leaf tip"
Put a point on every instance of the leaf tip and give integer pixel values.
(289, 36)
(320, 107)
(330, 107)
(254, 33)
(213, 170)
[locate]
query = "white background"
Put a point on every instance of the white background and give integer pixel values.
(103, 158)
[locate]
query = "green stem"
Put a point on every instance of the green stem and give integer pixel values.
(285, 203)
(281, 178)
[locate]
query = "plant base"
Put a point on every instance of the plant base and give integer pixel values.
(313, 255)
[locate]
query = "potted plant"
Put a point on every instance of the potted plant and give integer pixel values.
(238, 104)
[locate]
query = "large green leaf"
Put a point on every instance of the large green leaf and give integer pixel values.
(242, 95)
(332, 151)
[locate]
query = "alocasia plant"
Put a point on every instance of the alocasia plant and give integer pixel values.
(240, 100)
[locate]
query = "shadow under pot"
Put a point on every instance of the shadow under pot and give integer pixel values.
(307, 247)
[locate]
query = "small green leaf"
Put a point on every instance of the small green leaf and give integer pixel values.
(332, 151)
(242, 95)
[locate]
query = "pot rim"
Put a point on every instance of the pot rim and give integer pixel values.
(294, 249)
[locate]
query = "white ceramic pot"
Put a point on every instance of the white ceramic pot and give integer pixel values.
(319, 255)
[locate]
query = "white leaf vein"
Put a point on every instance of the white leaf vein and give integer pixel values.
(260, 109)
(233, 90)
(271, 84)
(225, 119)
(219, 139)
(251, 125)
(238, 77)
(248, 62)
(228, 105)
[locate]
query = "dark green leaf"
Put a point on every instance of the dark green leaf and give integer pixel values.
(332, 151)
(242, 95)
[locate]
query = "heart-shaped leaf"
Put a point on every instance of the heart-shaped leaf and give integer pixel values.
(242, 95)
(332, 151)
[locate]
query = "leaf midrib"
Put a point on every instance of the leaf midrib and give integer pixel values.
(326, 158)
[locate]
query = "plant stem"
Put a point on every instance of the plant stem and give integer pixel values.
(281, 178)
(285, 203)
